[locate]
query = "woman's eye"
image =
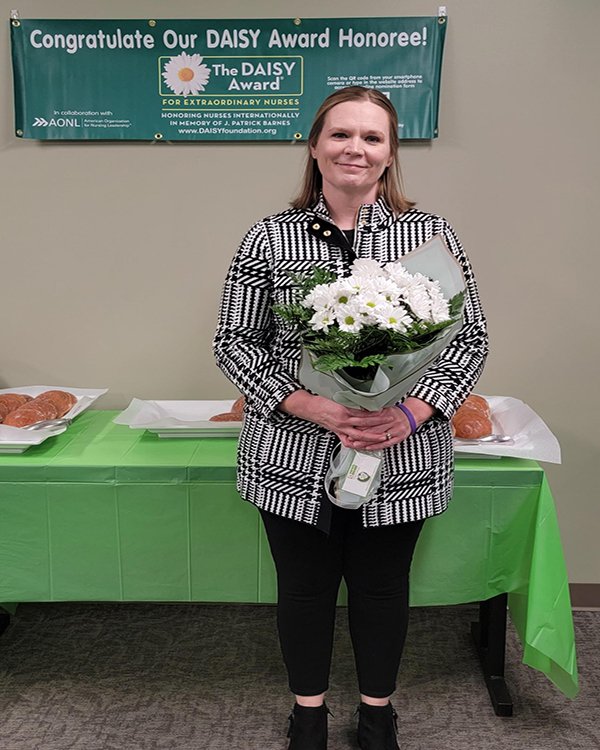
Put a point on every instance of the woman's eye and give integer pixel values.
(339, 135)
(373, 138)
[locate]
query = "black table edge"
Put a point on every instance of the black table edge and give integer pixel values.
(4, 620)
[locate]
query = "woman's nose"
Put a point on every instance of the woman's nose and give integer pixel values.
(353, 146)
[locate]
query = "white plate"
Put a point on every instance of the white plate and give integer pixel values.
(189, 419)
(531, 437)
(17, 439)
(16, 446)
(191, 433)
(465, 454)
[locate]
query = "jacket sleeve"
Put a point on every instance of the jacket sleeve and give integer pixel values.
(453, 375)
(245, 330)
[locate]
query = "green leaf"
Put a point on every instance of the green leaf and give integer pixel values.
(331, 362)
(456, 304)
(371, 359)
(293, 312)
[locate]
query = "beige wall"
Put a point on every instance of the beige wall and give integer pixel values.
(113, 254)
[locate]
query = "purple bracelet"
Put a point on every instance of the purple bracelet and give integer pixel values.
(409, 415)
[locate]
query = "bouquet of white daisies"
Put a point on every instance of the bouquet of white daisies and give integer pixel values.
(369, 337)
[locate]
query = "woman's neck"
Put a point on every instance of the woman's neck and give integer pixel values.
(344, 207)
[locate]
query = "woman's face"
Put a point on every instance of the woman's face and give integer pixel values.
(353, 149)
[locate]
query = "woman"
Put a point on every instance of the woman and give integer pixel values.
(350, 205)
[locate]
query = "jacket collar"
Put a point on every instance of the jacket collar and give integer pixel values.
(371, 217)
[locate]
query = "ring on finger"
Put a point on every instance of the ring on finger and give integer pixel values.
(388, 436)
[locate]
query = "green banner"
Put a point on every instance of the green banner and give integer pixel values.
(252, 79)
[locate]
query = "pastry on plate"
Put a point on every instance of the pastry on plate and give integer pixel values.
(472, 419)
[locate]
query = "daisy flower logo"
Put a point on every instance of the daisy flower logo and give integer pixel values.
(186, 74)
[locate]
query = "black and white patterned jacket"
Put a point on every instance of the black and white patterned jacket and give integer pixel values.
(282, 459)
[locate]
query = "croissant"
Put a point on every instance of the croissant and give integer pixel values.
(471, 423)
(228, 416)
(479, 403)
(63, 401)
(34, 411)
(235, 415)
(24, 410)
(11, 401)
(238, 407)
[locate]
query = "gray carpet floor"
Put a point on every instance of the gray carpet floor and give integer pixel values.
(105, 676)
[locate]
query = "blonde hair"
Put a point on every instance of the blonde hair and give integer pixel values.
(390, 185)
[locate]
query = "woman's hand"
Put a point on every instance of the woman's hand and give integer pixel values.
(357, 428)
(347, 423)
(395, 426)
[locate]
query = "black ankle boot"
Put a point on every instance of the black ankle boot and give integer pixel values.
(377, 727)
(308, 728)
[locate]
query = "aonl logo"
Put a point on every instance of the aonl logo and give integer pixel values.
(56, 122)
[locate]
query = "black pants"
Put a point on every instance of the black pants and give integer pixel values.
(375, 564)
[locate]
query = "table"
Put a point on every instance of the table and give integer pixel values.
(106, 513)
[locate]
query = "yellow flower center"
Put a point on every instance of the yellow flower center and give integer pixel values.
(349, 320)
(185, 74)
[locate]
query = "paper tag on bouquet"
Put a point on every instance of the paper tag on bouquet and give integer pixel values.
(341, 462)
(361, 474)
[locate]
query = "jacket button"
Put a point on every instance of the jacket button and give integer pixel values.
(316, 226)
(327, 233)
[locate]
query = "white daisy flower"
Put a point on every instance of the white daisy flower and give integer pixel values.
(397, 272)
(394, 317)
(322, 297)
(321, 320)
(186, 74)
(362, 283)
(417, 298)
(343, 291)
(349, 318)
(369, 303)
(440, 309)
(365, 267)
(389, 289)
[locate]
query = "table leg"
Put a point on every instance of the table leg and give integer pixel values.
(489, 635)
(4, 620)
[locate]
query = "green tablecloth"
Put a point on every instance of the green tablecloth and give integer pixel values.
(103, 512)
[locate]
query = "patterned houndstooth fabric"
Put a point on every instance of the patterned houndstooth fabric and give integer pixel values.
(282, 460)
